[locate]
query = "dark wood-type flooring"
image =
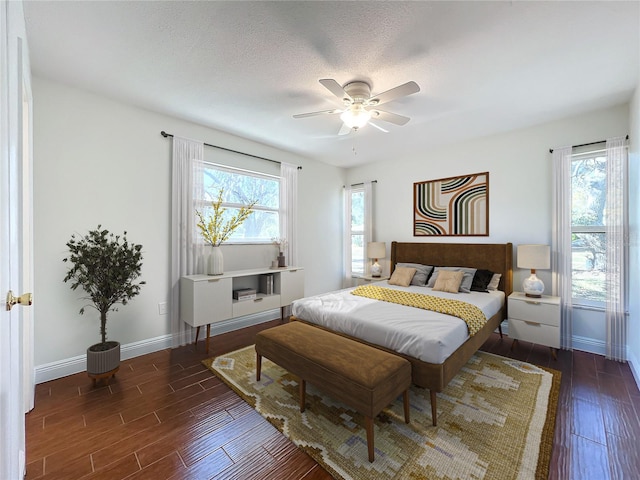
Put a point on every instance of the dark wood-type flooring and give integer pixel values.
(166, 416)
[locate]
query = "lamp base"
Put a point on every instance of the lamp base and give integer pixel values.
(533, 286)
(531, 295)
(376, 269)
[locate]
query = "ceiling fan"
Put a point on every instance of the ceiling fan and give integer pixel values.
(360, 108)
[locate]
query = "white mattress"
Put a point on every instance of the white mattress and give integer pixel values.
(423, 334)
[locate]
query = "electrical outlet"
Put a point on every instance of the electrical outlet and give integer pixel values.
(162, 308)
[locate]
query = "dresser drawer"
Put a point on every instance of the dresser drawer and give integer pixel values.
(535, 311)
(534, 332)
(260, 304)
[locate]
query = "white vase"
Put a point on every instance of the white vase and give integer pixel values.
(216, 262)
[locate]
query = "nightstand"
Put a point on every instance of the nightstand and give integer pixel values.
(369, 278)
(535, 320)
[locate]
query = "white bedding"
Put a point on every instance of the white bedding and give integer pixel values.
(426, 335)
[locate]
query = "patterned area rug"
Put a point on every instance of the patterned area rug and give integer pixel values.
(495, 421)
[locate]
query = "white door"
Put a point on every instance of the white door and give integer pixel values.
(16, 364)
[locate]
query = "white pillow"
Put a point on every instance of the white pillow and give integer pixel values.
(495, 280)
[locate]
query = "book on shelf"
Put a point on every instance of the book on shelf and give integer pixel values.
(244, 294)
(266, 284)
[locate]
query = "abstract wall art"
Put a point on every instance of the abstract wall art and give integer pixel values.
(454, 206)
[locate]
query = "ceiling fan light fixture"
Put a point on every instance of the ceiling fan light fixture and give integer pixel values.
(355, 116)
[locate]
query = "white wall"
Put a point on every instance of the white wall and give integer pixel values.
(520, 176)
(97, 161)
(634, 234)
(101, 161)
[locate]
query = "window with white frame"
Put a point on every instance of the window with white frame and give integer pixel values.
(241, 187)
(588, 224)
(357, 231)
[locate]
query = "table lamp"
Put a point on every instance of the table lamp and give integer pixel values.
(534, 257)
(376, 250)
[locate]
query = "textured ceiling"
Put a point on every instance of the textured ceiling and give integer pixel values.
(248, 67)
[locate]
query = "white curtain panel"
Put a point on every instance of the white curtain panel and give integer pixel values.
(368, 224)
(289, 210)
(617, 241)
(347, 281)
(561, 241)
(186, 252)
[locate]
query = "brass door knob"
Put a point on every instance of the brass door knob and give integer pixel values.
(25, 299)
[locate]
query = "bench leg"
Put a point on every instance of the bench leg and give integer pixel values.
(434, 411)
(405, 400)
(302, 394)
(368, 425)
(258, 366)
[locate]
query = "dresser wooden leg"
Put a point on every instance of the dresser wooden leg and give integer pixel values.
(553, 353)
(197, 335)
(208, 334)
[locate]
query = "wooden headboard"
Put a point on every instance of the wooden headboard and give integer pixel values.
(497, 257)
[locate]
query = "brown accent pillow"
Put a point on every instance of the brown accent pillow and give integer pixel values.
(448, 281)
(402, 276)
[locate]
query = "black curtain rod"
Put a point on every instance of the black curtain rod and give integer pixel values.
(586, 144)
(361, 183)
(165, 135)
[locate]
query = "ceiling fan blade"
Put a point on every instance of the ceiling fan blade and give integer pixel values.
(378, 127)
(312, 114)
(344, 130)
(397, 92)
(335, 88)
(389, 117)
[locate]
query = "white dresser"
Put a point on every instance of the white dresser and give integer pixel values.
(206, 299)
(535, 320)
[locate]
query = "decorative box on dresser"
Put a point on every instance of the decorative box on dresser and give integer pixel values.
(535, 320)
(207, 299)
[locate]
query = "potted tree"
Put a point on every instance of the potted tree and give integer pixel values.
(106, 267)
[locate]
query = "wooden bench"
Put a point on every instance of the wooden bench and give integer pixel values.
(362, 377)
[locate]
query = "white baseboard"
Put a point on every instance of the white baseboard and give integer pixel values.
(634, 364)
(590, 345)
(69, 366)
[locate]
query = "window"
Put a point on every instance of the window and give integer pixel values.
(240, 188)
(588, 222)
(357, 231)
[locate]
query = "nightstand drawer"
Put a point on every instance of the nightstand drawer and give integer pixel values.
(535, 311)
(534, 332)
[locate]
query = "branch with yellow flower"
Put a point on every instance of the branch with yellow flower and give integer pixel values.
(213, 229)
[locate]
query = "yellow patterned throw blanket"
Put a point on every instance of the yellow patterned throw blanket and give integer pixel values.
(472, 315)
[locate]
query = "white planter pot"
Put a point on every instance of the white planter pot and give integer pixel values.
(216, 262)
(103, 358)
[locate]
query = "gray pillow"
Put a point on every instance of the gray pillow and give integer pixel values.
(467, 280)
(421, 275)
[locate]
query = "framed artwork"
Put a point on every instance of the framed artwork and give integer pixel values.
(454, 206)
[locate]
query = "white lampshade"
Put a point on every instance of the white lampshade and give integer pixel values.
(376, 250)
(355, 116)
(533, 257)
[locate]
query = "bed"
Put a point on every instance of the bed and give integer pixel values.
(435, 375)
